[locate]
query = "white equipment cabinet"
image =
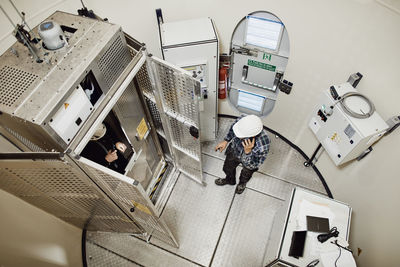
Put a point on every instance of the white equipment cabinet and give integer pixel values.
(193, 45)
(292, 217)
(345, 137)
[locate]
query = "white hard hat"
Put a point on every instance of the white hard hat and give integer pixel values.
(99, 133)
(248, 126)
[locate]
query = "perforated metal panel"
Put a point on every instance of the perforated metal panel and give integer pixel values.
(155, 114)
(114, 60)
(145, 86)
(23, 140)
(182, 139)
(62, 189)
(176, 95)
(13, 83)
(144, 82)
(178, 92)
(130, 196)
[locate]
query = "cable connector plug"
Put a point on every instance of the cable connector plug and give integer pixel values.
(332, 233)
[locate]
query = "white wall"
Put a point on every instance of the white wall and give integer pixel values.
(32, 237)
(329, 41)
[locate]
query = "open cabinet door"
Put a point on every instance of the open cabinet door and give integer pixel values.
(176, 95)
(58, 186)
(130, 196)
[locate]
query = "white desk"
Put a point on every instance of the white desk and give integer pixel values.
(292, 217)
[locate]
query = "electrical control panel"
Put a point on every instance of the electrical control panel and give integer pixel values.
(343, 136)
(197, 52)
(199, 73)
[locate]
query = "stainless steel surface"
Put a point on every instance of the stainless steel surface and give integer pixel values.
(100, 113)
(19, 140)
(31, 155)
(154, 112)
(130, 197)
(196, 215)
(24, 38)
(283, 162)
(113, 62)
(277, 231)
(56, 186)
(130, 113)
(209, 147)
(133, 248)
(145, 86)
(270, 186)
(70, 61)
(246, 231)
(146, 165)
(162, 193)
(98, 256)
(29, 99)
(99, 49)
(259, 181)
(205, 223)
(14, 83)
(176, 95)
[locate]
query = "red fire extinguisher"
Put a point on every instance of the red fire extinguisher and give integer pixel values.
(223, 80)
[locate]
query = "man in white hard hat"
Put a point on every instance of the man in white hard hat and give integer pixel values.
(249, 145)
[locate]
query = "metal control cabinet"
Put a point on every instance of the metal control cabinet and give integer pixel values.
(344, 137)
(50, 110)
(193, 45)
(256, 71)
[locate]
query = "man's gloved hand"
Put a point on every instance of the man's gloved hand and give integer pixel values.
(221, 146)
(248, 145)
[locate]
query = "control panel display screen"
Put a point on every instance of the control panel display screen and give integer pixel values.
(263, 32)
(250, 101)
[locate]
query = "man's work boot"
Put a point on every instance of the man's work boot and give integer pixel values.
(221, 181)
(240, 188)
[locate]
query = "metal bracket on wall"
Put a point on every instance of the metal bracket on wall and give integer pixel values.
(285, 86)
(311, 161)
(365, 153)
(354, 79)
(244, 80)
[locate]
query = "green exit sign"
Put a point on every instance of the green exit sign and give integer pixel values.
(267, 56)
(261, 65)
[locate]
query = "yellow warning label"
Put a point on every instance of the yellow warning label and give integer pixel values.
(141, 207)
(66, 105)
(142, 129)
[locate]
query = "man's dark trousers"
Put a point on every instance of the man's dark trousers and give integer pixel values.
(230, 164)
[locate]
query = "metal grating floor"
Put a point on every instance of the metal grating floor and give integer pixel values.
(213, 225)
(246, 232)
